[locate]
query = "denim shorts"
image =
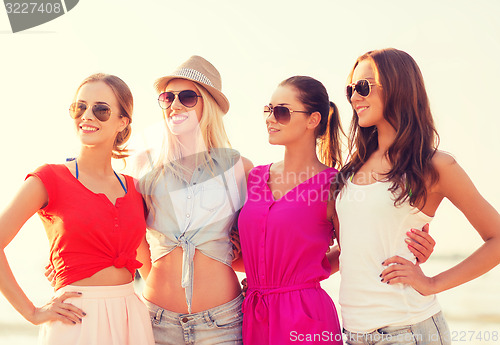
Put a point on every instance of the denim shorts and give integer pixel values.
(219, 325)
(433, 331)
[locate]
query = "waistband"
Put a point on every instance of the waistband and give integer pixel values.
(161, 313)
(256, 295)
(107, 291)
(436, 319)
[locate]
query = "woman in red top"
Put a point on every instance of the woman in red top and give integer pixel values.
(94, 219)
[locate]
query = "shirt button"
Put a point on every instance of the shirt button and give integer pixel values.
(185, 319)
(116, 225)
(188, 215)
(189, 196)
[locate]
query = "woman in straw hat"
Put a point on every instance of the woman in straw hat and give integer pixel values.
(193, 194)
(94, 219)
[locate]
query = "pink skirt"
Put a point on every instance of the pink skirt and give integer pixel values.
(115, 316)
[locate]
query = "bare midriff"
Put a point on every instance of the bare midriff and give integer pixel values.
(214, 283)
(106, 277)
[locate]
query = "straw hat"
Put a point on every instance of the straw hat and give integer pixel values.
(200, 71)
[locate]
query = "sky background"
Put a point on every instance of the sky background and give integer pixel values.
(255, 45)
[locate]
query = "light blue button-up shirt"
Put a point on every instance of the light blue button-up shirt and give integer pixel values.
(198, 214)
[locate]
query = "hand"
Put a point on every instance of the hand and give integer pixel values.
(57, 310)
(420, 243)
(406, 272)
(330, 244)
(50, 273)
(245, 287)
(234, 237)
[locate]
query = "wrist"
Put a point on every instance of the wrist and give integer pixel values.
(434, 285)
(29, 315)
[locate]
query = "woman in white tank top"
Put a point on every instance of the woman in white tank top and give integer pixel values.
(396, 179)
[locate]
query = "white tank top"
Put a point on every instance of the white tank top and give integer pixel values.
(372, 230)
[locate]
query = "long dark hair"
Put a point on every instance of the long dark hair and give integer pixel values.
(312, 93)
(406, 108)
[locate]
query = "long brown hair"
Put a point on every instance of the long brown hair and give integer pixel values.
(406, 108)
(126, 103)
(313, 95)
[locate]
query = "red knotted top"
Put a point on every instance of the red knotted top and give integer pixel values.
(87, 233)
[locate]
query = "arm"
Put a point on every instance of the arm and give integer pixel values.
(333, 257)
(31, 197)
(247, 166)
(144, 257)
(455, 185)
(237, 263)
(334, 252)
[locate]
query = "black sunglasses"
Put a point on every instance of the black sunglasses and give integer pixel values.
(281, 113)
(188, 98)
(362, 87)
(101, 111)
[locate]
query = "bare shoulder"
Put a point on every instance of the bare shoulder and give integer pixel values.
(443, 161)
(32, 196)
(34, 184)
(452, 177)
(276, 167)
(71, 166)
(447, 167)
(247, 164)
(324, 167)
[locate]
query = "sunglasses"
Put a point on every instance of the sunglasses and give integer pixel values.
(362, 87)
(188, 98)
(101, 111)
(281, 113)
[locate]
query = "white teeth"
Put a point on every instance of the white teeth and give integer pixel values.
(178, 117)
(361, 109)
(87, 128)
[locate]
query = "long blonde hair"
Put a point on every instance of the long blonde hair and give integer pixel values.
(213, 135)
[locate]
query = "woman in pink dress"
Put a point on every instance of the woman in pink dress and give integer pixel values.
(283, 226)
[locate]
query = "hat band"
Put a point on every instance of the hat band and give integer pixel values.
(193, 74)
